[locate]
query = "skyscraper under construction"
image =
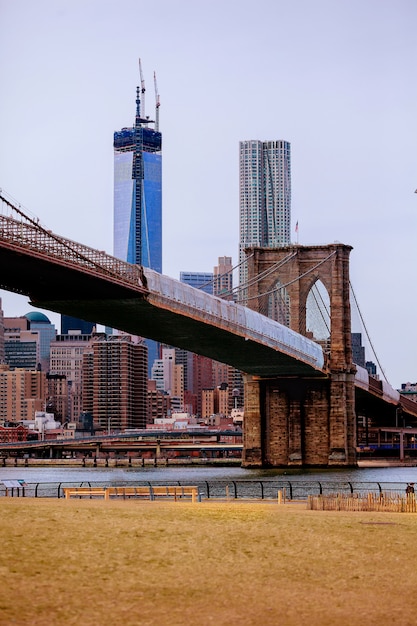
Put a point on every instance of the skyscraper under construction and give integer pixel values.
(138, 187)
(137, 206)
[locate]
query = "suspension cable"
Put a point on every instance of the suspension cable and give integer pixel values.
(367, 334)
(62, 242)
(280, 287)
(266, 272)
(314, 293)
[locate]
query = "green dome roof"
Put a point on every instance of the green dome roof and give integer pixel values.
(37, 316)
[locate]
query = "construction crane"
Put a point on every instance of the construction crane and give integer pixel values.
(142, 89)
(157, 103)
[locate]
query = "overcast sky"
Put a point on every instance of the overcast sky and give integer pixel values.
(336, 78)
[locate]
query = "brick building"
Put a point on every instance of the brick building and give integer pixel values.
(115, 382)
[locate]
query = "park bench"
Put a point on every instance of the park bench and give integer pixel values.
(176, 492)
(85, 492)
(148, 492)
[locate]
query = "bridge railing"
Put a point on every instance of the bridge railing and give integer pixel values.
(48, 244)
(244, 320)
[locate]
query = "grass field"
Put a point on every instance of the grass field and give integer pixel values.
(85, 562)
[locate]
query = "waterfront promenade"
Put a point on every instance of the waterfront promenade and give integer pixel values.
(168, 564)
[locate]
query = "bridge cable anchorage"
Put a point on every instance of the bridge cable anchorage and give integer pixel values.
(367, 334)
(60, 240)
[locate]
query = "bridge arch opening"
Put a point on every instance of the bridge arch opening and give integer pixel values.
(318, 314)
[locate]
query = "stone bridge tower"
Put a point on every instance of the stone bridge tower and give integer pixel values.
(302, 421)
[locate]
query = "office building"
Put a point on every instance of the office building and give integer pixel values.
(358, 350)
(223, 278)
(27, 341)
(215, 402)
(202, 378)
(22, 393)
(264, 198)
(198, 280)
(158, 403)
(138, 190)
(70, 324)
(21, 345)
(200, 372)
(22, 351)
(1, 335)
(58, 403)
(40, 322)
(137, 230)
(193, 365)
(409, 390)
(115, 382)
(168, 377)
(67, 360)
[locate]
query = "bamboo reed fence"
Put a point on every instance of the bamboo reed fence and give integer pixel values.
(393, 503)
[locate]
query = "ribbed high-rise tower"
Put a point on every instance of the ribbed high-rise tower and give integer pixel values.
(264, 197)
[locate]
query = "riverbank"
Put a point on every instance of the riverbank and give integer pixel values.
(119, 462)
(387, 463)
(130, 562)
(171, 462)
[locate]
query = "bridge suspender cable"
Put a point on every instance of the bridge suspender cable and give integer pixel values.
(366, 332)
(250, 282)
(51, 235)
(266, 293)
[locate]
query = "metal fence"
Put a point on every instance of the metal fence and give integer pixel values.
(221, 490)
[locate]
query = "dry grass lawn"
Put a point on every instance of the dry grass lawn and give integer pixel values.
(85, 562)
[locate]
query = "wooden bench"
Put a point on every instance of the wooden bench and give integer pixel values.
(148, 492)
(129, 492)
(85, 492)
(177, 492)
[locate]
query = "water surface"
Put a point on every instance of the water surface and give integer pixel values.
(198, 474)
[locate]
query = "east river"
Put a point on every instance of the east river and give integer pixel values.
(191, 475)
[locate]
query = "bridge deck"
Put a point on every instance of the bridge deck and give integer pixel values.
(66, 277)
(69, 278)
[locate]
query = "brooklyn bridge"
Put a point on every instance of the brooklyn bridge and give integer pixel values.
(303, 398)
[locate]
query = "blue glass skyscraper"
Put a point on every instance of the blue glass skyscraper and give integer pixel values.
(199, 280)
(138, 193)
(137, 231)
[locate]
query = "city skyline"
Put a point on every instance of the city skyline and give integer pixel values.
(334, 79)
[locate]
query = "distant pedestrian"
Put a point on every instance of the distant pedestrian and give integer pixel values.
(409, 489)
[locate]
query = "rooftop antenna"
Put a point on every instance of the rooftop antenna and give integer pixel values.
(142, 89)
(157, 103)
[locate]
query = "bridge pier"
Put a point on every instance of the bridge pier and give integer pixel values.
(303, 420)
(299, 422)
